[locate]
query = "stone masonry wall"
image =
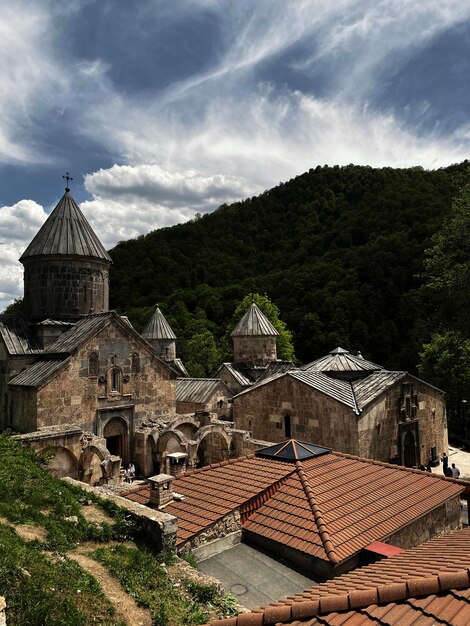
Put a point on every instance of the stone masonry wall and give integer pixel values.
(226, 525)
(61, 288)
(74, 396)
(314, 416)
(254, 350)
(378, 426)
(158, 528)
(440, 521)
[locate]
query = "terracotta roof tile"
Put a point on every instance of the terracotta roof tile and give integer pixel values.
(427, 588)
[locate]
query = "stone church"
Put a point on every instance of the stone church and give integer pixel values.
(80, 384)
(341, 401)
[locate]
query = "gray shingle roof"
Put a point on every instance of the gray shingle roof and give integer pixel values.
(84, 328)
(276, 367)
(199, 390)
(18, 334)
(158, 327)
(369, 388)
(37, 373)
(66, 232)
(340, 360)
(255, 324)
(340, 390)
(238, 373)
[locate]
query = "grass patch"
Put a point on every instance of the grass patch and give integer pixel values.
(143, 576)
(30, 495)
(41, 591)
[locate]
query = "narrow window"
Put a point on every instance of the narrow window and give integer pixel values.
(115, 380)
(135, 366)
(287, 427)
(93, 364)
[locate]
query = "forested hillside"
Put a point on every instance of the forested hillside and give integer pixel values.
(339, 250)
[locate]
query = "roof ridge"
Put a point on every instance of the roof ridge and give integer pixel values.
(356, 599)
(458, 481)
(357, 410)
(317, 515)
(219, 464)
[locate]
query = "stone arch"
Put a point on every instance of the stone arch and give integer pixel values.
(186, 425)
(62, 462)
(91, 470)
(116, 433)
(171, 440)
(213, 445)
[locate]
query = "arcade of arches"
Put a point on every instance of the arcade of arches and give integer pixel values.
(167, 446)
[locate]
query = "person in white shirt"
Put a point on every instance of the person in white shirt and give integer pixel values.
(455, 471)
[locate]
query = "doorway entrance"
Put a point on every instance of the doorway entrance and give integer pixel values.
(117, 438)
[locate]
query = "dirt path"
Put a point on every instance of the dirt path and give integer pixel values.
(126, 607)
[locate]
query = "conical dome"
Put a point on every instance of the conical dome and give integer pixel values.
(66, 268)
(66, 232)
(254, 324)
(158, 327)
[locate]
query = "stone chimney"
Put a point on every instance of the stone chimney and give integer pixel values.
(161, 489)
(177, 461)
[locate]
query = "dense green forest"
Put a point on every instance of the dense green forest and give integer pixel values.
(339, 250)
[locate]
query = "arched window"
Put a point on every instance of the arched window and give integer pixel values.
(287, 426)
(135, 366)
(115, 380)
(93, 364)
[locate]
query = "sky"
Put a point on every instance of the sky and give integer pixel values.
(161, 110)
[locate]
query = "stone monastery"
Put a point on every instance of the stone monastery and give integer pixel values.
(85, 388)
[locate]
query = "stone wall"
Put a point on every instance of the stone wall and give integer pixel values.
(254, 350)
(228, 524)
(66, 287)
(75, 396)
(10, 366)
(158, 528)
(228, 378)
(440, 521)
(3, 619)
(313, 416)
(378, 426)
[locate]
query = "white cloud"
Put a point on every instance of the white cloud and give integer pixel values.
(18, 225)
(129, 201)
(220, 134)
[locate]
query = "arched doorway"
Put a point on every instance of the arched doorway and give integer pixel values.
(409, 450)
(212, 449)
(61, 462)
(117, 438)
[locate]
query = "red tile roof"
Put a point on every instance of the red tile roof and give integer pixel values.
(335, 505)
(215, 490)
(330, 506)
(423, 586)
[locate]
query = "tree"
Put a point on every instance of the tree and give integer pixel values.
(445, 361)
(447, 266)
(15, 308)
(284, 344)
(202, 355)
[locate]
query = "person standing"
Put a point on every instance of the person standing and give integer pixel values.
(445, 463)
(455, 471)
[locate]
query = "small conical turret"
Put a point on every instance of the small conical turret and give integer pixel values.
(160, 336)
(254, 339)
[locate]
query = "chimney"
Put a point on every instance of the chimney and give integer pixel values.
(177, 462)
(161, 489)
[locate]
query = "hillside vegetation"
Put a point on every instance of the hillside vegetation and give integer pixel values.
(69, 558)
(339, 250)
